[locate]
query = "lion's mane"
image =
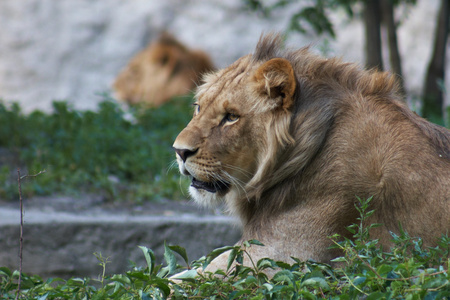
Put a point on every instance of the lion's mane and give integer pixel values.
(327, 92)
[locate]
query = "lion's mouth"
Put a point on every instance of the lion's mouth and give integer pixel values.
(212, 187)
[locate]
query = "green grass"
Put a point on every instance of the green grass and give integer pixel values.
(407, 271)
(99, 152)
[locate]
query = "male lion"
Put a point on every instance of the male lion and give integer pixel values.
(288, 139)
(166, 68)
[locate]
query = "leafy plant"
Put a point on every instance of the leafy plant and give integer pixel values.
(407, 271)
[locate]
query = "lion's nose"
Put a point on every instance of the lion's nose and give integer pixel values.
(185, 153)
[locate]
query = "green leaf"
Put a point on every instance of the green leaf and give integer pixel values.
(283, 276)
(231, 258)
(265, 263)
(75, 282)
(435, 283)
(121, 279)
(316, 273)
(316, 282)
(170, 259)
(375, 296)
(339, 259)
(188, 275)
(181, 251)
(145, 296)
(237, 294)
(5, 271)
(138, 275)
(433, 296)
(240, 257)
(250, 280)
(255, 242)
(307, 295)
(359, 280)
(163, 272)
(162, 285)
(149, 258)
(53, 280)
(383, 270)
(283, 264)
(215, 253)
(43, 297)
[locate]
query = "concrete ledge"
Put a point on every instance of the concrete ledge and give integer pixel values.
(61, 244)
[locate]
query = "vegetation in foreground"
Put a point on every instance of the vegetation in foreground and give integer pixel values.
(118, 154)
(408, 271)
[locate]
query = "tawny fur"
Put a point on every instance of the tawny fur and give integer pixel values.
(306, 144)
(165, 69)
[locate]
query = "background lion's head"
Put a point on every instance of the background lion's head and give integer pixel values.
(166, 68)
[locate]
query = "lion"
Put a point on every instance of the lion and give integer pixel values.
(165, 69)
(288, 140)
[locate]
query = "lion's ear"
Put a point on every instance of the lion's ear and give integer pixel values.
(276, 79)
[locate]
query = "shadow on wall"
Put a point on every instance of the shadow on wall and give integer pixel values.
(166, 68)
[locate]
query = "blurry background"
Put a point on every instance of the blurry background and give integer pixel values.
(72, 50)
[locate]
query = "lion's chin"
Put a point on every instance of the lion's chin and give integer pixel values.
(205, 198)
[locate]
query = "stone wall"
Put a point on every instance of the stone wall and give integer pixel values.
(61, 234)
(67, 249)
(72, 50)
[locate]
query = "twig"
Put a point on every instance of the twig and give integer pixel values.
(32, 175)
(353, 285)
(19, 181)
(21, 233)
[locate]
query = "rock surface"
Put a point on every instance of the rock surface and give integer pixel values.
(72, 50)
(61, 234)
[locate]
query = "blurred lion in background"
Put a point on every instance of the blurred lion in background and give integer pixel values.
(165, 69)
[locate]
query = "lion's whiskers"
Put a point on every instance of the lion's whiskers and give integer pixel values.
(173, 164)
(237, 182)
(241, 170)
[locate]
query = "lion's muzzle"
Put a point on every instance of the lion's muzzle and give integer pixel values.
(213, 186)
(185, 153)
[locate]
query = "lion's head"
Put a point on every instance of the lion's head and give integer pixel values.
(166, 68)
(235, 135)
(288, 139)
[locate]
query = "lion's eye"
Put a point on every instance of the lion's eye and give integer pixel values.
(231, 117)
(196, 109)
